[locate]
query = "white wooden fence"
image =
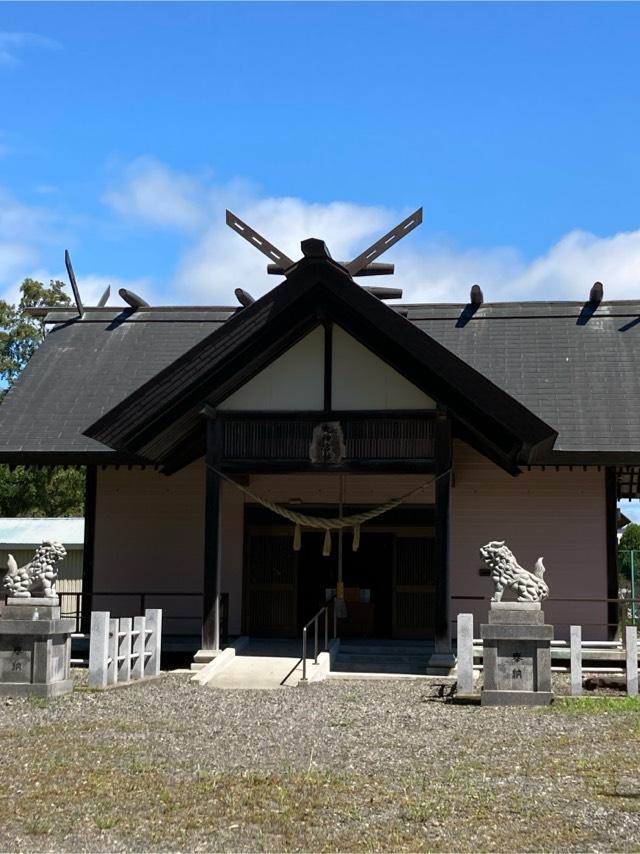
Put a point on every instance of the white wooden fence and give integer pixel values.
(467, 647)
(124, 650)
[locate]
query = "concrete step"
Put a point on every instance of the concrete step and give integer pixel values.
(376, 649)
(381, 663)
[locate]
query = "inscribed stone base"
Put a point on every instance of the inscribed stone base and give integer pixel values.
(31, 689)
(516, 698)
(35, 657)
(516, 655)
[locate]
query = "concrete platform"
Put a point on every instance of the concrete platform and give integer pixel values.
(262, 664)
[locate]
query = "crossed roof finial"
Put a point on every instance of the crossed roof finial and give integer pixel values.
(362, 265)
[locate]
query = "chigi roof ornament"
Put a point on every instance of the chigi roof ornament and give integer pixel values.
(363, 265)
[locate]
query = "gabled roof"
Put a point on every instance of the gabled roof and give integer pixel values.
(576, 368)
(318, 289)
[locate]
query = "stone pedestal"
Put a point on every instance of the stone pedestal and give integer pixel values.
(35, 648)
(517, 655)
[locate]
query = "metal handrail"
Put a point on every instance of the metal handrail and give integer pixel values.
(324, 610)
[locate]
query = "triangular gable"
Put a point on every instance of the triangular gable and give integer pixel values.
(362, 380)
(295, 380)
(318, 291)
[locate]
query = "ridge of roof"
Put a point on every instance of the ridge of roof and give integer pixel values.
(523, 310)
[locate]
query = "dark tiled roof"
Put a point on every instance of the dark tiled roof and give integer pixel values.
(578, 372)
(84, 368)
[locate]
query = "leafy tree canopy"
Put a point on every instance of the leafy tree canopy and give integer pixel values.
(630, 538)
(20, 334)
(25, 491)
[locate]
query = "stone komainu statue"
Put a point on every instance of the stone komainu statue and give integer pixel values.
(38, 576)
(507, 572)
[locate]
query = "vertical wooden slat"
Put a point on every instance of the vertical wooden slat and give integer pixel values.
(90, 495)
(442, 512)
(211, 579)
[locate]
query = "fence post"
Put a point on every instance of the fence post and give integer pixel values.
(137, 665)
(465, 653)
(98, 649)
(633, 587)
(631, 637)
(112, 666)
(153, 621)
(124, 649)
(576, 659)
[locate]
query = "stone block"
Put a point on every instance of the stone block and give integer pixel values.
(516, 632)
(30, 612)
(35, 657)
(125, 625)
(137, 663)
(99, 649)
(631, 638)
(465, 653)
(575, 638)
(516, 606)
(27, 601)
(516, 698)
(515, 618)
(516, 655)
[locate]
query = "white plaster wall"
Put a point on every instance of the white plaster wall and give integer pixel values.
(361, 380)
(557, 514)
(293, 381)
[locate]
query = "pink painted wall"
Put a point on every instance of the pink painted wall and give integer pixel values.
(149, 536)
(150, 533)
(557, 514)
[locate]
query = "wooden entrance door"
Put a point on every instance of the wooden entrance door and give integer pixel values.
(413, 588)
(271, 596)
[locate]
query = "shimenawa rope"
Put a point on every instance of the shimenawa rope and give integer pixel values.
(302, 520)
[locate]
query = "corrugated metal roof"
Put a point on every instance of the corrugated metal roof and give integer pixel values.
(31, 532)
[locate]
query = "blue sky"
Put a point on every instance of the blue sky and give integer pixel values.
(126, 129)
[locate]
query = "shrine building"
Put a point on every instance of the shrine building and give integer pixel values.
(456, 423)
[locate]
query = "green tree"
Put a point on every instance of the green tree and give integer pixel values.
(630, 539)
(50, 491)
(21, 334)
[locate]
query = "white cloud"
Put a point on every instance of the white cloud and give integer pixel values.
(214, 260)
(12, 45)
(221, 260)
(217, 260)
(151, 193)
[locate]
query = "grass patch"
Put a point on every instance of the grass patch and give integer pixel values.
(112, 776)
(594, 705)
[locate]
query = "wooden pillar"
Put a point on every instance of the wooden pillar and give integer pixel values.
(90, 492)
(442, 512)
(611, 515)
(212, 569)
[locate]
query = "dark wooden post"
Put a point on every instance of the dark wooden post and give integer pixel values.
(211, 579)
(611, 511)
(90, 492)
(442, 660)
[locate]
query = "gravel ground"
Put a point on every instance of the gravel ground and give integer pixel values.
(335, 766)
